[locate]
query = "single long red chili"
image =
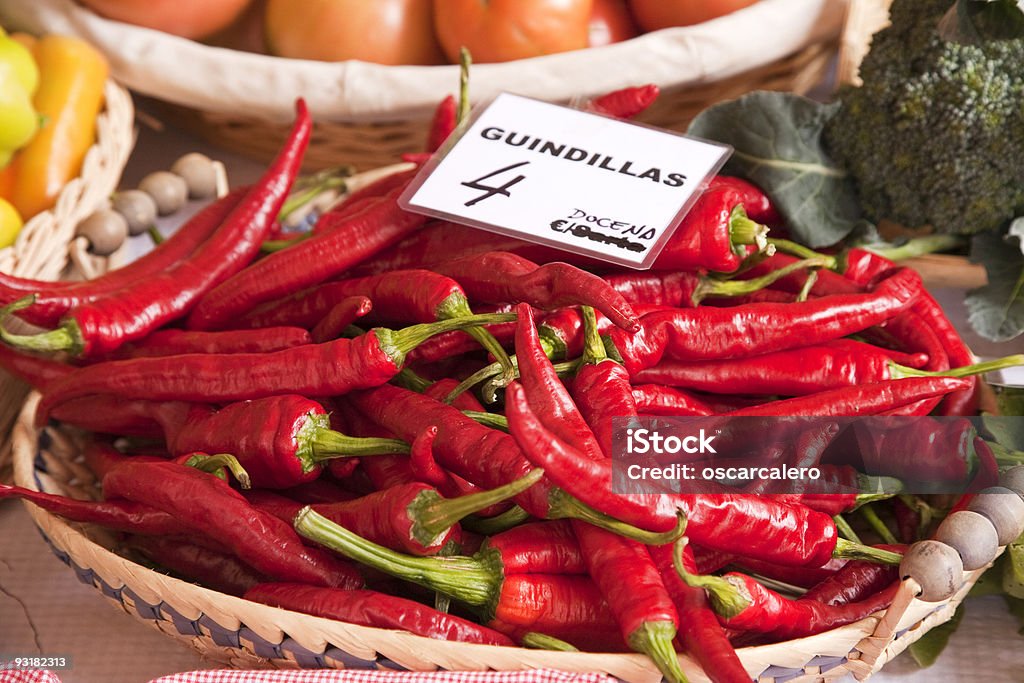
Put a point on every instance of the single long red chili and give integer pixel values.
(624, 103)
(119, 515)
(344, 313)
(173, 342)
(500, 277)
(378, 610)
(559, 605)
(699, 630)
(631, 585)
(855, 581)
(220, 571)
(866, 399)
(209, 505)
(545, 547)
(309, 262)
(443, 124)
(752, 329)
(656, 399)
(755, 202)
(329, 369)
(100, 326)
(55, 299)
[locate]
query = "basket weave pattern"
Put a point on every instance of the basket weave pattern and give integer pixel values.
(240, 633)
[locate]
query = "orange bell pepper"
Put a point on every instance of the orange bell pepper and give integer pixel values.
(70, 95)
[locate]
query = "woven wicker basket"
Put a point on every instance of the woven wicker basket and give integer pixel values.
(46, 248)
(240, 633)
(368, 114)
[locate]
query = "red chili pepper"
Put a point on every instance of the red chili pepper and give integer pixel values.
(318, 491)
(855, 581)
(358, 200)
(172, 342)
(804, 577)
(548, 547)
(38, 371)
(500, 277)
(733, 522)
(55, 299)
(333, 325)
(624, 103)
(309, 262)
(452, 344)
(441, 388)
(338, 367)
(711, 333)
(633, 589)
(563, 606)
(796, 372)
(102, 325)
(377, 610)
(655, 399)
(209, 505)
(699, 630)
(744, 604)
(219, 571)
(119, 515)
(867, 399)
(755, 202)
(443, 124)
(281, 441)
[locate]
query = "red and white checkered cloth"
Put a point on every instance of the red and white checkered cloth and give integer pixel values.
(28, 676)
(372, 676)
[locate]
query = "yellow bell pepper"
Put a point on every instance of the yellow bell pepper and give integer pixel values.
(18, 80)
(70, 95)
(10, 224)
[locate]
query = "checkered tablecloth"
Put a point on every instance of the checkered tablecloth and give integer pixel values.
(346, 676)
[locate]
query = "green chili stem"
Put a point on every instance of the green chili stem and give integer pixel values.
(727, 599)
(489, 391)
(155, 236)
(561, 505)
(800, 251)
(488, 526)
(328, 444)
(309, 188)
(856, 551)
(412, 381)
(456, 306)
(542, 641)
(715, 287)
(593, 346)
(917, 246)
(434, 515)
(400, 342)
(805, 291)
(270, 246)
(467, 579)
(67, 337)
(744, 231)
(900, 372)
(654, 639)
(877, 525)
(845, 530)
(492, 420)
(213, 464)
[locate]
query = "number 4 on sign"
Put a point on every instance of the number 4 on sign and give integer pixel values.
(490, 191)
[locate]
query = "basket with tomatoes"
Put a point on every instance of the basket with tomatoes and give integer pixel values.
(372, 72)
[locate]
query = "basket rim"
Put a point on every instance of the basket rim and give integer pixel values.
(361, 91)
(420, 653)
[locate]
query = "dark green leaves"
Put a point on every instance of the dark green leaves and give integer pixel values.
(778, 146)
(973, 22)
(996, 310)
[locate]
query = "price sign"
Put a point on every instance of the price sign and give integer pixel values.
(568, 179)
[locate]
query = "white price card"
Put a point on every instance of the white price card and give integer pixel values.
(569, 179)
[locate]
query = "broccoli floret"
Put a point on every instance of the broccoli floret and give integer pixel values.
(936, 133)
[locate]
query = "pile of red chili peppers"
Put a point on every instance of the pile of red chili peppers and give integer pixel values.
(365, 450)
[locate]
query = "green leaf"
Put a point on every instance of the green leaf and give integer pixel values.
(1010, 401)
(991, 582)
(1013, 572)
(1007, 429)
(778, 147)
(1016, 608)
(928, 648)
(996, 311)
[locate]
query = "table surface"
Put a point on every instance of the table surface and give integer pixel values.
(44, 610)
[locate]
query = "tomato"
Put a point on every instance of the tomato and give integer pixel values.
(381, 31)
(503, 30)
(611, 22)
(186, 18)
(656, 14)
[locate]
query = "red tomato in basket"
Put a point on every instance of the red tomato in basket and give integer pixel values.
(186, 18)
(656, 14)
(503, 30)
(611, 22)
(382, 31)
